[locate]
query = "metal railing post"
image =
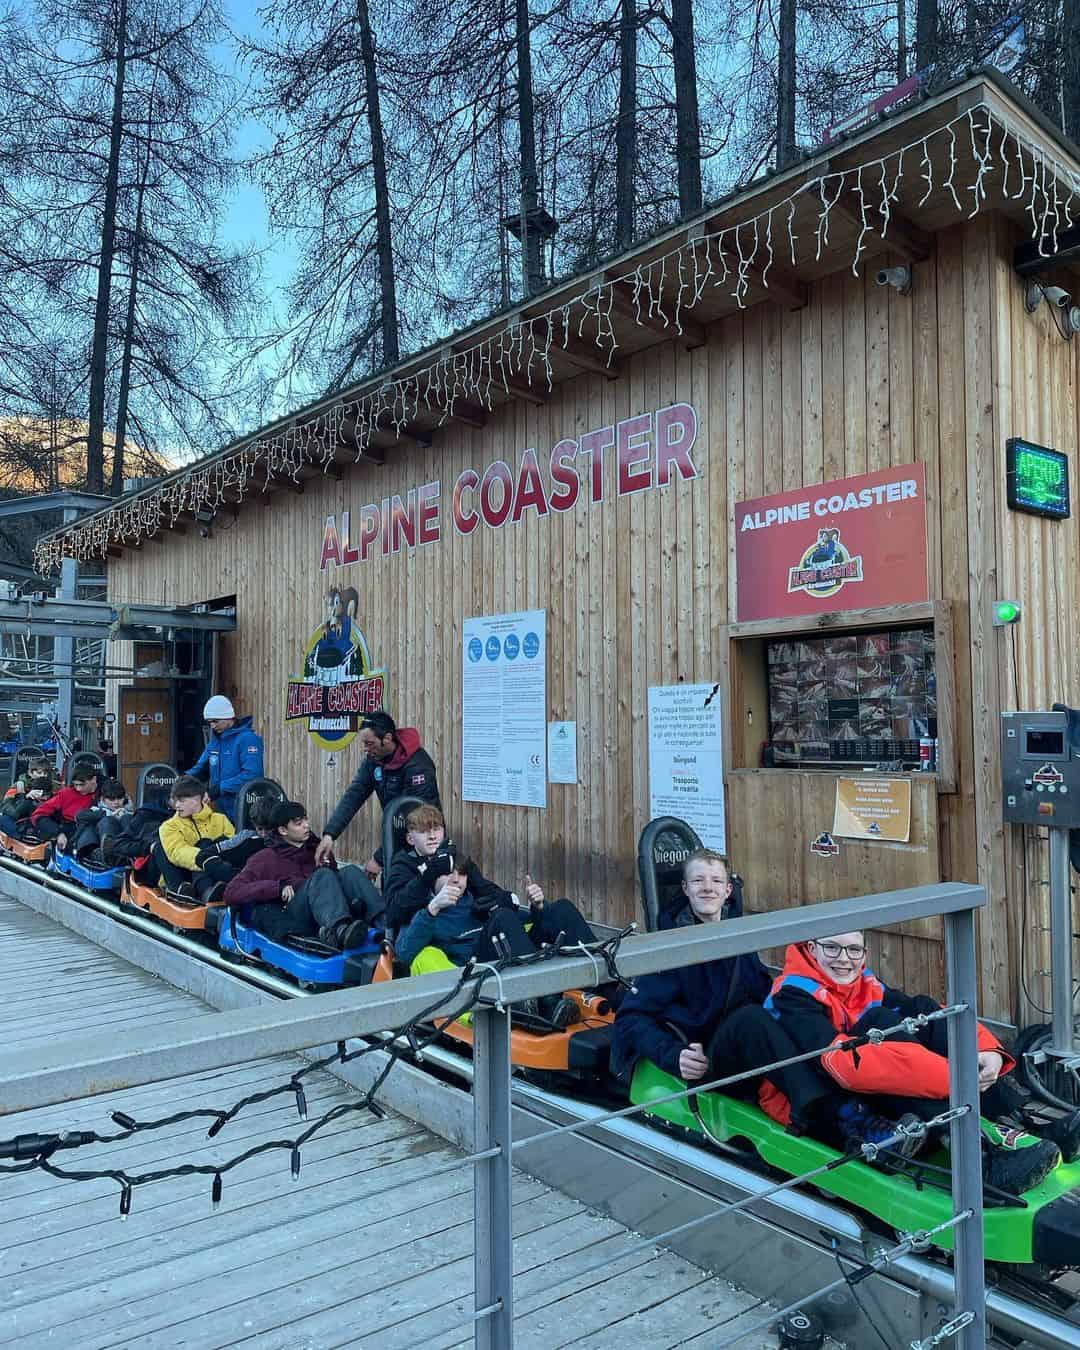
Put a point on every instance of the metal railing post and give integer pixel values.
(965, 1137)
(493, 1240)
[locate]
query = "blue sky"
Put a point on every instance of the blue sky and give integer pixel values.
(246, 219)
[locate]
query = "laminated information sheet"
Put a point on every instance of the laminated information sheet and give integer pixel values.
(686, 767)
(504, 709)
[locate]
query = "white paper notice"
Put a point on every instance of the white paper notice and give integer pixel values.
(504, 709)
(562, 752)
(686, 767)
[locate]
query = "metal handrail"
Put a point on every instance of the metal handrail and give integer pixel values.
(84, 1066)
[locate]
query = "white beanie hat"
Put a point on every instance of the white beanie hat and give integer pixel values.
(218, 706)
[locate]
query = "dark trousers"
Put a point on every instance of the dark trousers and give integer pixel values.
(214, 870)
(749, 1038)
(325, 899)
(48, 827)
(90, 837)
(506, 929)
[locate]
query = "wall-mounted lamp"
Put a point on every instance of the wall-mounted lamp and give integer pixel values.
(1066, 314)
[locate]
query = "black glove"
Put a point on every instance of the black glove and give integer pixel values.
(208, 848)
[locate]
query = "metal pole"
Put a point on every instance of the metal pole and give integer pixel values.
(968, 1269)
(1061, 943)
(493, 1239)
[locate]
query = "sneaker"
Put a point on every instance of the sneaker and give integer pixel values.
(1015, 1161)
(1061, 1130)
(214, 894)
(858, 1125)
(185, 891)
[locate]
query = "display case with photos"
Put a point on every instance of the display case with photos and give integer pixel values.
(848, 698)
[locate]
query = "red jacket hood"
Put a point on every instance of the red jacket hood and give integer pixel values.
(850, 1001)
(408, 742)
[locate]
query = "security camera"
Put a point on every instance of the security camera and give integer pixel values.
(899, 278)
(1037, 292)
(205, 531)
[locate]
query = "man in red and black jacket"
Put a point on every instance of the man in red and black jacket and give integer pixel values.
(55, 818)
(825, 995)
(395, 763)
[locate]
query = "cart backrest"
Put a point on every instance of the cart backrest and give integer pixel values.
(155, 785)
(23, 757)
(393, 825)
(663, 848)
(257, 790)
(86, 759)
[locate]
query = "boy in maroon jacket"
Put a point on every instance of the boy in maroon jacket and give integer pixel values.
(290, 894)
(54, 818)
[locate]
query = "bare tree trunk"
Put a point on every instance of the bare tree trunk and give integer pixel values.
(1070, 67)
(901, 41)
(117, 485)
(532, 265)
(626, 127)
(786, 152)
(687, 122)
(383, 235)
(95, 443)
(926, 33)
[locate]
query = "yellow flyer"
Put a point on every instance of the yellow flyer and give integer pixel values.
(873, 808)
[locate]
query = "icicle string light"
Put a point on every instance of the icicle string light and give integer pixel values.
(661, 293)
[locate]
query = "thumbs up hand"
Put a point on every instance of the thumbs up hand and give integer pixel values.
(533, 893)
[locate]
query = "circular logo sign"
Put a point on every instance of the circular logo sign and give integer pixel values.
(493, 648)
(511, 646)
(476, 649)
(531, 645)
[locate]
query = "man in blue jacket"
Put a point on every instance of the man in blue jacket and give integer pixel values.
(233, 754)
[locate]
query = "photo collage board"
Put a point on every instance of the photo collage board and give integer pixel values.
(866, 697)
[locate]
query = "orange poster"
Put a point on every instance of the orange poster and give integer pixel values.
(873, 808)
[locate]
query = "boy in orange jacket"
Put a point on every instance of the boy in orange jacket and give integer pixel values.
(825, 994)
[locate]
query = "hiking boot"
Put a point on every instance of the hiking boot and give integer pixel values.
(345, 934)
(858, 1125)
(1061, 1130)
(1015, 1161)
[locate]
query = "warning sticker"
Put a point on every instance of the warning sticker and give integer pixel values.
(1048, 773)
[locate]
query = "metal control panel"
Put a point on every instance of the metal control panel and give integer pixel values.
(1040, 774)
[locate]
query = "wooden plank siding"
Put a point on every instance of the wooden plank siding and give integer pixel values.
(637, 589)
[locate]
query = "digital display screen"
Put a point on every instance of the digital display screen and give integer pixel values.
(1044, 744)
(1037, 479)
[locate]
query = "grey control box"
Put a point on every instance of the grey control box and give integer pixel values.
(1040, 775)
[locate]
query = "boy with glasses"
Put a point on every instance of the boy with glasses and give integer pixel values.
(826, 994)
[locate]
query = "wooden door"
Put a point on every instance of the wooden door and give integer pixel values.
(144, 731)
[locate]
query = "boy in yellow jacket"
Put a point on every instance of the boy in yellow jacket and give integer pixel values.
(193, 853)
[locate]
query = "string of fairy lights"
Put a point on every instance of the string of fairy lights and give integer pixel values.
(37, 1152)
(662, 291)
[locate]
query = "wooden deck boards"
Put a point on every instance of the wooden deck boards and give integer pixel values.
(364, 1249)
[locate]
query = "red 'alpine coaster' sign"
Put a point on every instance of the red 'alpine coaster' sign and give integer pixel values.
(854, 543)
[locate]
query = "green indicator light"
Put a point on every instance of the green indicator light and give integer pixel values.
(1006, 612)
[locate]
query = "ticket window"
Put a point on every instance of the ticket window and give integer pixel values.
(864, 694)
(851, 698)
